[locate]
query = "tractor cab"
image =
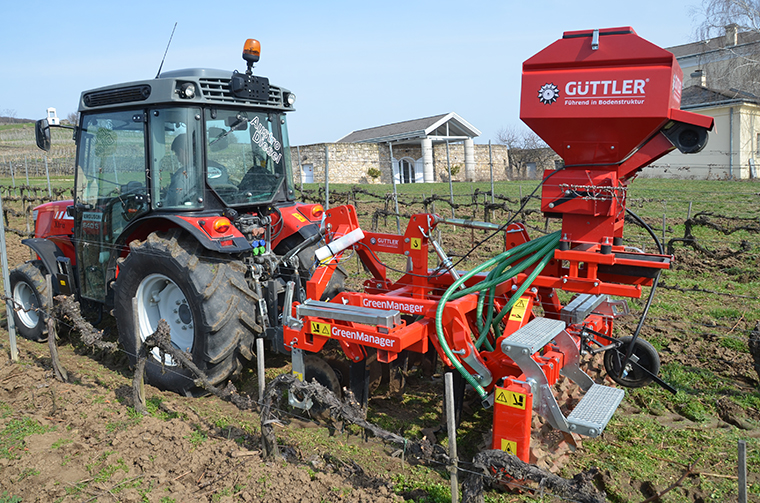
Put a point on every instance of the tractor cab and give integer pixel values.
(178, 149)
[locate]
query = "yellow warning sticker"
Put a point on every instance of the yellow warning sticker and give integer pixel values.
(322, 329)
(298, 375)
(510, 399)
(501, 397)
(518, 310)
(509, 446)
(416, 243)
(300, 217)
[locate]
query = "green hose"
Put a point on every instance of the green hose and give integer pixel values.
(542, 250)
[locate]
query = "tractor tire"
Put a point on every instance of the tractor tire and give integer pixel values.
(634, 376)
(30, 296)
(203, 296)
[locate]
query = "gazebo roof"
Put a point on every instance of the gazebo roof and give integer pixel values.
(438, 128)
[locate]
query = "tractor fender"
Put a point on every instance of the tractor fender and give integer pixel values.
(56, 263)
(141, 228)
(301, 234)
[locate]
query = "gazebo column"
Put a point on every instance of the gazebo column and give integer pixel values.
(469, 159)
(428, 170)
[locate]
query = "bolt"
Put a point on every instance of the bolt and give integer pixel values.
(551, 205)
(406, 240)
(564, 280)
(175, 311)
(524, 351)
(534, 289)
(179, 302)
(514, 287)
(178, 321)
(596, 283)
(406, 252)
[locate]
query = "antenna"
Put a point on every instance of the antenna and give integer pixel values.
(167, 50)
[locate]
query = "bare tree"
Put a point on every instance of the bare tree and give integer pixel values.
(731, 27)
(715, 15)
(526, 150)
(8, 116)
(73, 118)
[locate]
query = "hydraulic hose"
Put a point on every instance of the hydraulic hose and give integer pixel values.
(542, 250)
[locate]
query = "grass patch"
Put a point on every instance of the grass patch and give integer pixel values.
(418, 480)
(7, 498)
(197, 437)
(60, 443)
(13, 435)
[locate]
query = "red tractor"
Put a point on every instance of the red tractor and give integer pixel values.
(183, 209)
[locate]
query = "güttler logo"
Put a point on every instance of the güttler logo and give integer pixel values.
(548, 94)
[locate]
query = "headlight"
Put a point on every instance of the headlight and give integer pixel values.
(187, 90)
(290, 98)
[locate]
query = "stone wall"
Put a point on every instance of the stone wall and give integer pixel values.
(351, 162)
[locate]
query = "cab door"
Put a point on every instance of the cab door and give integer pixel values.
(109, 191)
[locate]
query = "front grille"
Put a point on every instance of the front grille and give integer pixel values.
(116, 96)
(219, 90)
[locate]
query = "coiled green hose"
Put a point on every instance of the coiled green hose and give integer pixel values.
(540, 250)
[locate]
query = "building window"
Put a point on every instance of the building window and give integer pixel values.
(530, 170)
(407, 171)
(307, 173)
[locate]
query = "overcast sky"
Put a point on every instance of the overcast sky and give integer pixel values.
(352, 65)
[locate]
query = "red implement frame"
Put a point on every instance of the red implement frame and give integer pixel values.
(606, 101)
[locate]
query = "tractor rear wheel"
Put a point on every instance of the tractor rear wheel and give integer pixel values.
(203, 296)
(30, 297)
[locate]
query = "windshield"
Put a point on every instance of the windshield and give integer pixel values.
(248, 155)
(177, 181)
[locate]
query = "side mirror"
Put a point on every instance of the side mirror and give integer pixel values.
(42, 134)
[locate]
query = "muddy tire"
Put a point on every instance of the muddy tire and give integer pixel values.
(30, 296)
(202, 295)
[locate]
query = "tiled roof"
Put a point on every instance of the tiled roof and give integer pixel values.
(411, 129)
(698, 96)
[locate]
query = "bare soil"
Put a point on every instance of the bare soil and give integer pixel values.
(89, 446)
(80, 441)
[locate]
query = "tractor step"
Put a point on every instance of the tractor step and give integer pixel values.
(532, 337)
(595, 410)
(344, 312)
(580, 307)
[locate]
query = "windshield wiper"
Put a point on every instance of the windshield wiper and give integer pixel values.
(233, 127)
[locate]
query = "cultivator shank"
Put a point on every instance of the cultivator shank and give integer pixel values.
(484, 322)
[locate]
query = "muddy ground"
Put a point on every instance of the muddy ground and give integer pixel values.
(81, 441)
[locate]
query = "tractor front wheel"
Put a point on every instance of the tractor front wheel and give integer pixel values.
(30, 301)
(205, 299)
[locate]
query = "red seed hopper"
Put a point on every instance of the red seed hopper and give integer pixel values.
(607, 101)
